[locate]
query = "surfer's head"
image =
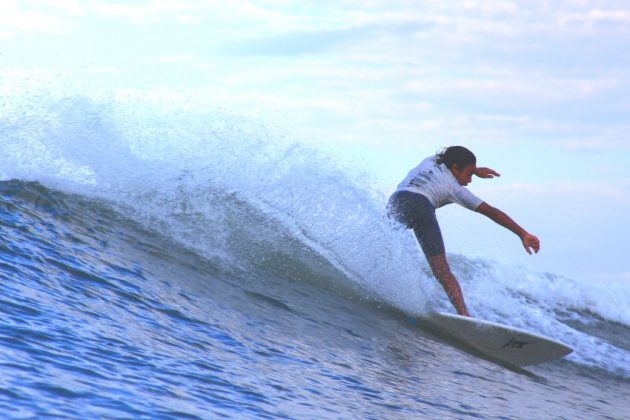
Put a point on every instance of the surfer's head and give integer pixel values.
(461, 162)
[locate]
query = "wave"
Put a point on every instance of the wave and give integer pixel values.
(215, 184)
(258, 208)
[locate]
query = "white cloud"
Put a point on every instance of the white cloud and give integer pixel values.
(494, 7)
(597, 144)
(178, 59)
(519, 84)
(72, 7)
(622, 276)
(591, 19)
(617, 192)
(245, 15)
(16, 21)
(43, 16)
(155, 11)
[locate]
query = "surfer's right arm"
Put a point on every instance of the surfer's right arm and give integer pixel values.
(530, 242)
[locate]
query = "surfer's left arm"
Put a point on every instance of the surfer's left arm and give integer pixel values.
(530, 242)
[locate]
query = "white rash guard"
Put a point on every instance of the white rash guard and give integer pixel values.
(437, 183)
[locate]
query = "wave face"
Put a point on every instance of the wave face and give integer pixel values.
(139, 236)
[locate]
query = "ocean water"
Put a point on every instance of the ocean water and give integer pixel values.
(163, 261)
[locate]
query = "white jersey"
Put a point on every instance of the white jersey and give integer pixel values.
(437, 183)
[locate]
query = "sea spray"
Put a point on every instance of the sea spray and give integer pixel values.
(183, 170)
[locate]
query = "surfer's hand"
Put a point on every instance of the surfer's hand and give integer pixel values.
(530, 241)
(486, 172)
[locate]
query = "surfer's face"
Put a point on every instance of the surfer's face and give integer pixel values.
(463, 175)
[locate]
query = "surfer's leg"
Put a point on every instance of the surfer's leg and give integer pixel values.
(442, 272)
(429, 236)
(416, 212)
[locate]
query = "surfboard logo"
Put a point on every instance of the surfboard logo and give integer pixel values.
(515, 344)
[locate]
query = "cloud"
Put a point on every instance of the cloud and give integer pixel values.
(153, 12)
(591, 19)
(182, 58)
(519, 83)
(618, 190)
(232, 17)
(589, 145)
(493, 7)
(42, 16)
(295, 43)
(71, 7)
(318, 41)
(14, 21)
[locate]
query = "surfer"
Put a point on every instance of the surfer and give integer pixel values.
(437, 181)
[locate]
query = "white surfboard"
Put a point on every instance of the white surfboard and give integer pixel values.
(513, 346)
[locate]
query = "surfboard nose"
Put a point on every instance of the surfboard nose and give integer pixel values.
(507, 344)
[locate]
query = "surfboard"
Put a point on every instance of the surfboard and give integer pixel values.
(510, 345)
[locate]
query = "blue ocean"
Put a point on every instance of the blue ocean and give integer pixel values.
(184, 262)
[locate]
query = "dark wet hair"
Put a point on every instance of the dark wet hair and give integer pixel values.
(456, 155)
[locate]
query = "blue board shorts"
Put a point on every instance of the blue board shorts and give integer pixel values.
(416, 212)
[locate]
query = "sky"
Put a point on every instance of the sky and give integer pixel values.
(539, 90)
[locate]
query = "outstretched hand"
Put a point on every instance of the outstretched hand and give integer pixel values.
(486, 172)
(530, 241)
